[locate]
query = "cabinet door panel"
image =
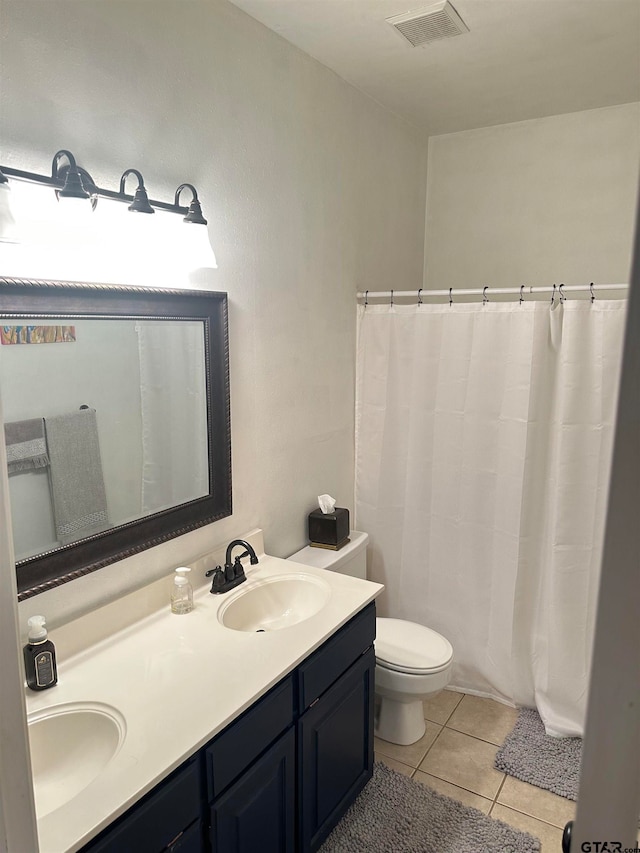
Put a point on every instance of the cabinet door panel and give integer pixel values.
(335, 751)
(258, 812)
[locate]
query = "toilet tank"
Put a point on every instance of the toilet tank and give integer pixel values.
(351, 559)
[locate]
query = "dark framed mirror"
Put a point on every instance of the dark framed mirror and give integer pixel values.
(117, 421)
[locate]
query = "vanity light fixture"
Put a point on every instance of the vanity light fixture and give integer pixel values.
(72, 181)
(194, 213)
(140, 203)
(72, 186)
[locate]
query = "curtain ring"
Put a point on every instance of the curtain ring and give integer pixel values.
(593, 296)
(485, 298)
(553, 295)
(391, 303)
(450, 296)
(521, 296)
(419, 297)
(562, 296)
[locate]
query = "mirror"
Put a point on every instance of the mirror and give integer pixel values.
(116, 409)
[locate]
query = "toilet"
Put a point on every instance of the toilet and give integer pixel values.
(413, 662)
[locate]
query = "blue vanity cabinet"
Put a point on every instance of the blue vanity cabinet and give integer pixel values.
(167, 819)
(335, 728)
(251, 778)
(280, 776)
(296, 792)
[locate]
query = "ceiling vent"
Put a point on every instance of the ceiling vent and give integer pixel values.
(440, 21)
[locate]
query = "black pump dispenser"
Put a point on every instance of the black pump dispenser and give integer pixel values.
(40, 656)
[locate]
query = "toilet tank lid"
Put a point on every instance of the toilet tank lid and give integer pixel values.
(325, 558)
(410, 647)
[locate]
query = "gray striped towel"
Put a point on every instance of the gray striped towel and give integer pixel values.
(77, 484)
(26, 445)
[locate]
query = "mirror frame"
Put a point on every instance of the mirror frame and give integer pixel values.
(45, 299)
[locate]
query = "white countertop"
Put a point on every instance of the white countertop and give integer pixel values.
(178, 681)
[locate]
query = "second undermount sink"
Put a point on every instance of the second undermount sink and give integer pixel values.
(275, 603)
(70, 745)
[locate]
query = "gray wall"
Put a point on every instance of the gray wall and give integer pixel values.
(312, 191)
(535, 202)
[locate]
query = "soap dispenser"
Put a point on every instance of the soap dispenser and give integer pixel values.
(182, 592)
(39, 656)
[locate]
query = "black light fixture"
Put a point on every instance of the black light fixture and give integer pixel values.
(140, 203)
(194, 213)
(72, 181)
(72, 186)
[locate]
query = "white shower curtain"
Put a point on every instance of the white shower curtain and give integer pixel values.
(174, 413)
(483, 446)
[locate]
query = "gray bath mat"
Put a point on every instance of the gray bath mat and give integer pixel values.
(532, 756)
(394, 814)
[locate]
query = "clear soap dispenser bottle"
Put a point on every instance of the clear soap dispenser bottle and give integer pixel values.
(182, 592)
(39, 656)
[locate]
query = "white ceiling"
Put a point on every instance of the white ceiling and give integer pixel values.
(522, 59)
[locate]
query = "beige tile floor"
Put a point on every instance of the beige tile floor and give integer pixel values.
(456, 755)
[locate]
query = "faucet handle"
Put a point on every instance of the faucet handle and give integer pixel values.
(218, 578)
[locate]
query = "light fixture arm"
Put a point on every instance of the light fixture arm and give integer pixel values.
(194, 193)
(126, 174)
(55, 174)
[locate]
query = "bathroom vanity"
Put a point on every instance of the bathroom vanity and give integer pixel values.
(245, 791)
(231, 739)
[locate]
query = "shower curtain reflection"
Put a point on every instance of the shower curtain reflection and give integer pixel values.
(483, 444)
(174, 413)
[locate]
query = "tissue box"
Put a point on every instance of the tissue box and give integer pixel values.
(329, 530)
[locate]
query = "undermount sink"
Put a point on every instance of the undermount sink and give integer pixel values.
(70, 745)
(275, 603)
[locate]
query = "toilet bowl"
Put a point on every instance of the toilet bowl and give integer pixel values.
(413, 662)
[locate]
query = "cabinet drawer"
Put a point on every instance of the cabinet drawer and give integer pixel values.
(153, 824)
(333, 658)
(236, 748)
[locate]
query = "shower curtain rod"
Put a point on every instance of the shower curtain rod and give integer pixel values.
(486, 292)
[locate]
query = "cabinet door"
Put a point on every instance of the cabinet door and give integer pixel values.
(257, 813)
(335, 758)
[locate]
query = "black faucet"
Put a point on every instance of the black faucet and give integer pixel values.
(233, 573)
(249, 552)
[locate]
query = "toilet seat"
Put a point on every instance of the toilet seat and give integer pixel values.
(407, 647)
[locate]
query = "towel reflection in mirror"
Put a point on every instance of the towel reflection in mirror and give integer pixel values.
(66, 447)
(142, 451)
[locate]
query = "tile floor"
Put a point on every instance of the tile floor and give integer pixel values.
(456, 755)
